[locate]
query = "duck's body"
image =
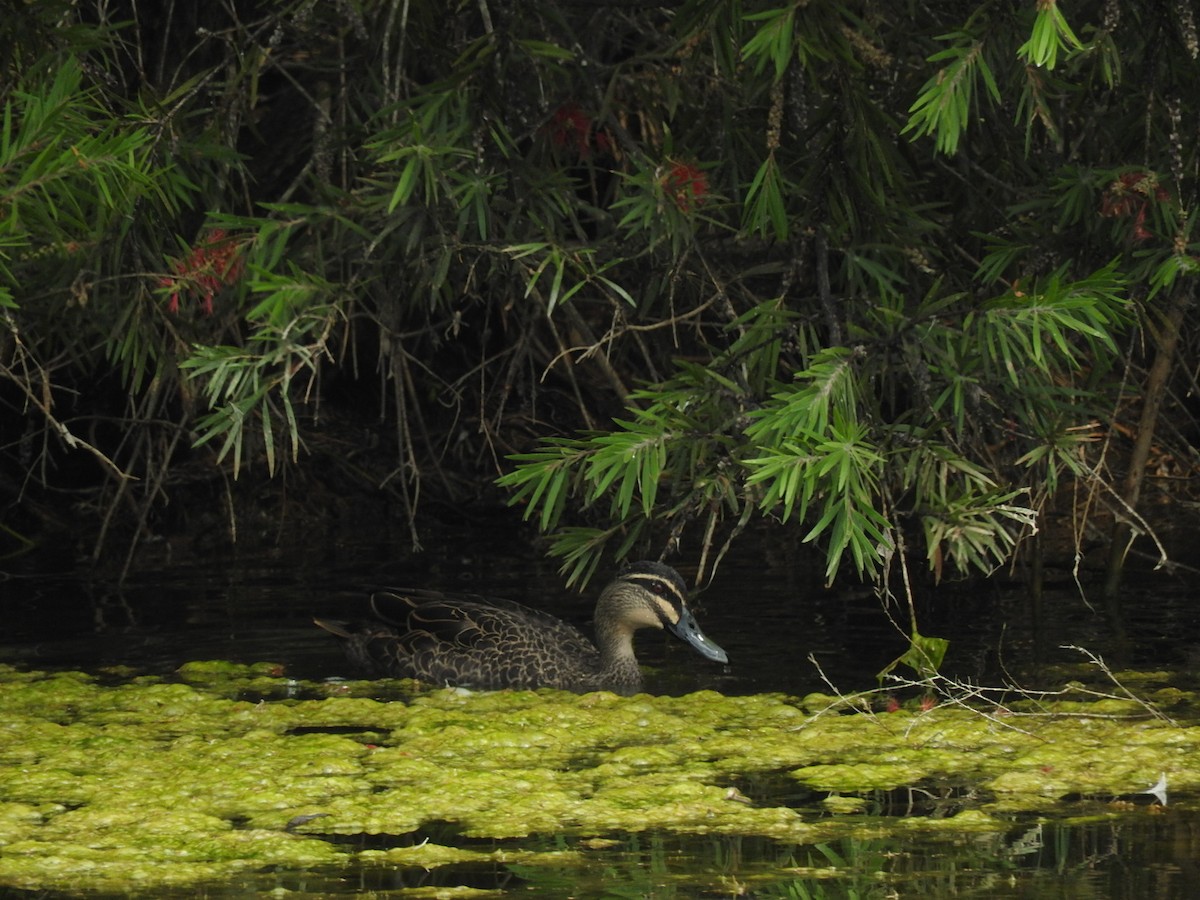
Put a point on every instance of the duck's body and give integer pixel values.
(499, 644)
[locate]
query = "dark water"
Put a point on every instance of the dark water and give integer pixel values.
(783, 631)
(1139, 858)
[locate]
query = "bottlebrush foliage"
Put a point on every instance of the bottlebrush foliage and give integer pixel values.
(869, 270)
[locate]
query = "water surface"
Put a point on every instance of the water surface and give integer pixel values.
(784, 632)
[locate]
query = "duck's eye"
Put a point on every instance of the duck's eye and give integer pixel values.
(658, 587)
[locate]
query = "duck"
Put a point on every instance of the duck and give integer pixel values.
(491, 644)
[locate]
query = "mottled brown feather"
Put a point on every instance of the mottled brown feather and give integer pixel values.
(485, 643)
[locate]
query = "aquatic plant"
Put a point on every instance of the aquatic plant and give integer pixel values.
(144, 783)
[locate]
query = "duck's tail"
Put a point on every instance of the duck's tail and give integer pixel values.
(333, 626)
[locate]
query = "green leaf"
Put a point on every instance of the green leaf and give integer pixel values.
(1051, 35)
(545, 49)
(924, 656)
(772, 42)
(407, 183)
(944, 104)
(764, 210)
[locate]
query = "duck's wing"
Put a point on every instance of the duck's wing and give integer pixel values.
(468, 619)
(444, 639)
(423, 616)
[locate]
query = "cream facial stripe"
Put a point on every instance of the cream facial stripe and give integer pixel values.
(656, 586)
(667, 611)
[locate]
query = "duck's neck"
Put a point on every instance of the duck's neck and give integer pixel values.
(615, 643)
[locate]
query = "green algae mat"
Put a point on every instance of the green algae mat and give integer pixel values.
(146, 784)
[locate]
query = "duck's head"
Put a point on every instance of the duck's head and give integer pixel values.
(653, 595)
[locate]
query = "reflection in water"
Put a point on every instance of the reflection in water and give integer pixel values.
(1139, 857)
(1132, 858)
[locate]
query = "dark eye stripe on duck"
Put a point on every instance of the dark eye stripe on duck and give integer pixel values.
(656, 584)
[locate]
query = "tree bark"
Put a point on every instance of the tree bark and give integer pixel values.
(1166, 338)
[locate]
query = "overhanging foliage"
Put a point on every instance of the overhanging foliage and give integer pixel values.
(868, 269)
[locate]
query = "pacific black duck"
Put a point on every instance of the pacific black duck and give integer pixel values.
(493, 644)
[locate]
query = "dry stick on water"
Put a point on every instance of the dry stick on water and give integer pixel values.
(1097, 661)
(961, 694)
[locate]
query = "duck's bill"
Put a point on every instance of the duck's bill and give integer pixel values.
(686, 629)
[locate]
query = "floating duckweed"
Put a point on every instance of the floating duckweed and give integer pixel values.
(818, 702)
(1168, 697)
(447, 893)
(220, 670)
(17, 820)
(859, 777)
(162, 782)
(844, 805)
(426, 855)
(636, 757)
(969, 820)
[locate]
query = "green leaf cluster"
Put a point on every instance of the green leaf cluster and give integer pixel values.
(946, 104)
(870, 272)
(826, 450)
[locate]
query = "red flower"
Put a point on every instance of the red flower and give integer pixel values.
(571, 128)
(1130, 195)
(686, 184)
(214, 263)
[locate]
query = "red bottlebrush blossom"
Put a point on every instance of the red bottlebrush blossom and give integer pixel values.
(214, 263)
(686, 184)
(1130, 195)
(573, 129)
